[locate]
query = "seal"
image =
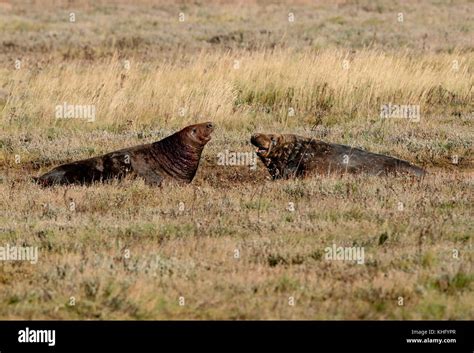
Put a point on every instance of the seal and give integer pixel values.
(287, 156)
(175, 157)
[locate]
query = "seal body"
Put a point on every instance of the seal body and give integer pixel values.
(175, 157)
(287, 155)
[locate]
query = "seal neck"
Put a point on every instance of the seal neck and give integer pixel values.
(177, 158)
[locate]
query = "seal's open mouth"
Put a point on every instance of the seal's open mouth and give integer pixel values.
(261, 151)
(263, 144)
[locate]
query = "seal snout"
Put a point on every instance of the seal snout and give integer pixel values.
(262, 142)
(205, 131)
(208, 128)
(256, 139)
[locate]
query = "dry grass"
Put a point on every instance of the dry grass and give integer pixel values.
(262, 90)
(190, 253)
(313, 84)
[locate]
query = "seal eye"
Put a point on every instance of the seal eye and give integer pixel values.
(194, 130)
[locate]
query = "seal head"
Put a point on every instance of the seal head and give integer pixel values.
(280, 153)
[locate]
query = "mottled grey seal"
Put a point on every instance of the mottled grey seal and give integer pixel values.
(290, 155)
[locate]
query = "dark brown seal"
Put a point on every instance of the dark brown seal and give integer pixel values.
(174, 157)
(288, 156)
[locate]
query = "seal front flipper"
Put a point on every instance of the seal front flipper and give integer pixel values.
(143, 170)
(151, 178)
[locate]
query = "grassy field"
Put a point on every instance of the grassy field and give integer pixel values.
(234, 244)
